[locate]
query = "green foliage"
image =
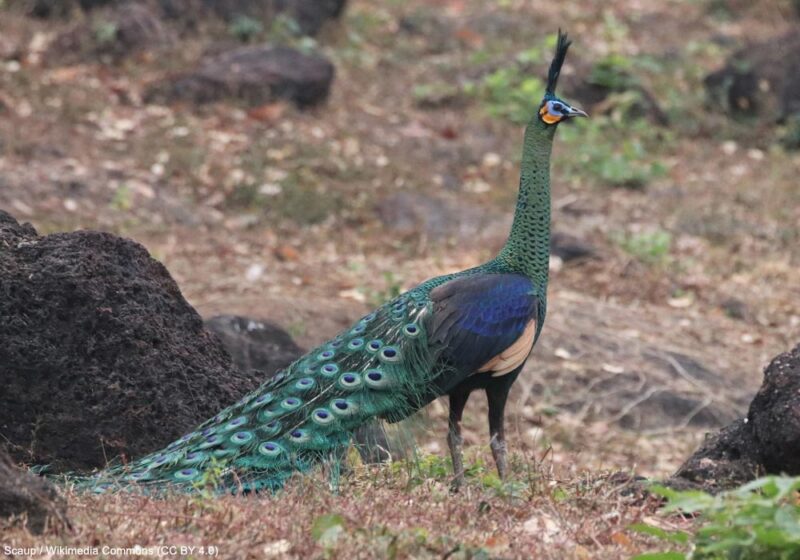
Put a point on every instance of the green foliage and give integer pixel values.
(759, 521)
(104, 31)
(392, 289)
(649, 246)
(423, 467)
(122, 199)
(790, 139)
(297, 328)
(327, 529)
(613, 72)
(245, 28)
(298, 200)
(284, 28)
(509, 93)
(612, 150)
(508, 488)
(206, 486)
(305, 204)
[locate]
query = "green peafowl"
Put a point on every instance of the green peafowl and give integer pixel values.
(450, 335)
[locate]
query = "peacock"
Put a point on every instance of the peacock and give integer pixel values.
(450, 335)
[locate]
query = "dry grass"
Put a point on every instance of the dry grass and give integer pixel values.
(386, 512)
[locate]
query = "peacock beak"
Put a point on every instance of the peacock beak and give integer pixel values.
(575, 112)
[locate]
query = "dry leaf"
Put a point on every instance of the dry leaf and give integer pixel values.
(287, 253)
(269, 113)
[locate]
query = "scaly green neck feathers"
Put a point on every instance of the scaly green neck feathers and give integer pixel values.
(527, 250)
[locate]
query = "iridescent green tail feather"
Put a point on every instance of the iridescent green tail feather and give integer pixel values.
(381, 367)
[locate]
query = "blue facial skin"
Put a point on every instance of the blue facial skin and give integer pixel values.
(554, 110)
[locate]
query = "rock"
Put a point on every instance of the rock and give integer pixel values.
(100, 354)
(433, 30)
(569, 248)
(309, 15)
(46, 9)
(12, 233)
(766, 442)
(774, 415)
(256, 75)
(726, 460)
(23, 494)
(137, 28)
(735, 308)
(591, 87)
(121, 31)
(255, 344)
(761, 80)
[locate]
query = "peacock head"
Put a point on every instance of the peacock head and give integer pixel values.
(553, 110)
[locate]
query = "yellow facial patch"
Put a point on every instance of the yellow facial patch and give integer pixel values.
(547, 117)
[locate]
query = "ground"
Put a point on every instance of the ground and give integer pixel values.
(279, 213)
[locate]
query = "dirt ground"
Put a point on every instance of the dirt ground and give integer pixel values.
(292, 216)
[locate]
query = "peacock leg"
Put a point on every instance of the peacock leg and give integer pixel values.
(458, 399)
(497, 395)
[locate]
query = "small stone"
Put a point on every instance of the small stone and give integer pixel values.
(491, 160)
(729, 147)
(254, 272)
(257, 75)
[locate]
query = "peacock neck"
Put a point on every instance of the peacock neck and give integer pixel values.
(527, 250)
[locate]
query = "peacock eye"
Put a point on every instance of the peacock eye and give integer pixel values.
(558, 107)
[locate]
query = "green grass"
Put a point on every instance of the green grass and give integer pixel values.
(245, 28)
(759, 521)
(507, 93)
(651, 247)
(612, 150)
(392, 288)
(104, 32)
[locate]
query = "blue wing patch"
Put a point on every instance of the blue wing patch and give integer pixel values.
(477, 317)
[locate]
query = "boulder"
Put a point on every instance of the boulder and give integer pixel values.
(761, 80)
(570, 248)
(767, 441)
(608, 83)
(100, 354)
(118, 32)
(255, 344)
(309, 15)
(29, 497)
(255, 75)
